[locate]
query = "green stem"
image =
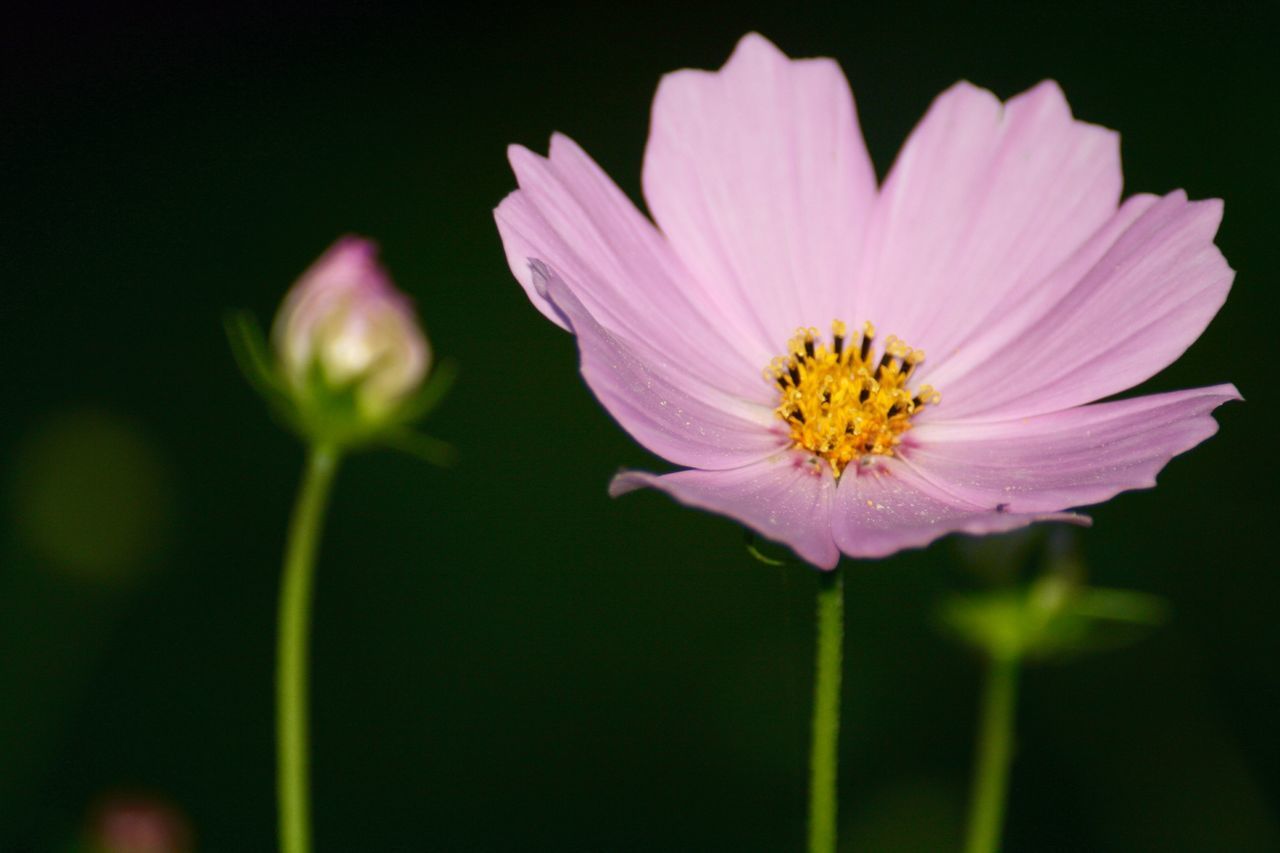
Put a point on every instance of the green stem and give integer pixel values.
(995, 754)
(293, 789)
(823, 756)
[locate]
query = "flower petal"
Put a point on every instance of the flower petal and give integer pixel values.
(708, 429)
(1029, 304)
(785, 498)
(1134, 311)
(886, 507)
(569, 214)
(1081, 456)
(984, 199)
(758, 175)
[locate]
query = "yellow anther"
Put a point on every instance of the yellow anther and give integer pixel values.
(844, 402)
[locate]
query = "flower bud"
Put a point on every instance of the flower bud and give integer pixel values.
(348, 345)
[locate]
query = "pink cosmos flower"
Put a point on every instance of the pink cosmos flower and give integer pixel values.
(998, 245)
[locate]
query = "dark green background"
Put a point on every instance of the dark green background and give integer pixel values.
(505, 658)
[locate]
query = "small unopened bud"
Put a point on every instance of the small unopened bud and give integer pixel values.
(349, 347)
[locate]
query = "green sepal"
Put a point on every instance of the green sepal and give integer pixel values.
(253, 356)
(398, 435)
(439, 383)
(249, 348)
(420, 446)
(325, 413)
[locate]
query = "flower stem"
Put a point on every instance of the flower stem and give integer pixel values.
(823, 756)
(994, 755)
(292, 787)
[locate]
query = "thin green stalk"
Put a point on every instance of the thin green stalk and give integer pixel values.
(994, 755)
(823, 756)
(292, 786)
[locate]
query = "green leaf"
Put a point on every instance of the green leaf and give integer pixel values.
(1054, 617)
(990, 622)
(754, 550)
(1122, 605)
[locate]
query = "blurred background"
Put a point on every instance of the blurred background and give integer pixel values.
(504, 658)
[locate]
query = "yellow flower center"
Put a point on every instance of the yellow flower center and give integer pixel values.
(844, 402)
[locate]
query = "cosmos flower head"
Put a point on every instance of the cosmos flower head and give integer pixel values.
(847, 366)
(345, 336)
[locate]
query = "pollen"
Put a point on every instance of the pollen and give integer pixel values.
(848, 400)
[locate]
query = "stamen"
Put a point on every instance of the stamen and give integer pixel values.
(913, 358)
(846, 405)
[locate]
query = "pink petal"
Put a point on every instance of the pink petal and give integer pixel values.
(984, 200)
(1065, 459)
(758, 176)
(570, 215)
(702, 428)
(1130, 314)
(886, 507)
(785, 498)
(1026, 306)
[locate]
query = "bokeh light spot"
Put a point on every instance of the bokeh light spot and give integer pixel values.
(91, 496)
(138, 823)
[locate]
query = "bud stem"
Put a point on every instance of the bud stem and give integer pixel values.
(995, 753)
(293, 788)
